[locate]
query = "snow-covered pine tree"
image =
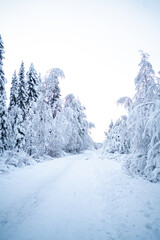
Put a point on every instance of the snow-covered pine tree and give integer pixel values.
(31, 130)
(3, 109)
(31, 108)
(32, 85)
(52, 89)
(22, 91)
(19, 131)
(13, 91)
(12, 111)
(21, 111)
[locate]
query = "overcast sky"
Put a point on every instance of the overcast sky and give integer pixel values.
(95, 43)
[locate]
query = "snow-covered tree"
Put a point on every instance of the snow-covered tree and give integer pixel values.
(52, 89)
(45, 134)
(143, 123)
(3, 109)
(117, 137)
(13, 91)
(19, 131)
(58, 135)
(12, 112)
(78, 130)
(19, 127)
(32, 85)
(22, 94)
(31, 145)
(145, 81)
(142, 105)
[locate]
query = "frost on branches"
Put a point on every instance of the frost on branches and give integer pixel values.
(142, 127)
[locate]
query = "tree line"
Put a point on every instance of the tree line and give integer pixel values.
(37, 120)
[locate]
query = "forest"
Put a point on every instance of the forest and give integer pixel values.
(38, 122)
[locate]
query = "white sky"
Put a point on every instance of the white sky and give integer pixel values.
(95, 43)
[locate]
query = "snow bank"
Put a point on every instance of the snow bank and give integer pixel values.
(11, 160)
(139, 164)
(136, 164)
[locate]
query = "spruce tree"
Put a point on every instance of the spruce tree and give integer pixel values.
(32, 84)
(3, 109)
(21, 111)
(21, 100)
(13, 91)
(52, 89)
(12, 112)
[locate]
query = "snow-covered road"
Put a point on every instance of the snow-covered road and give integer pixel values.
(81, 197)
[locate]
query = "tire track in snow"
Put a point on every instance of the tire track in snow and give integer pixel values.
(82, 197)
(69, 208)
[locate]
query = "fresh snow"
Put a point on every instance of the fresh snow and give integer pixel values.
(78, 197)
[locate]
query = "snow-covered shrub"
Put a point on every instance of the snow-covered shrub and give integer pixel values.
(10, 160)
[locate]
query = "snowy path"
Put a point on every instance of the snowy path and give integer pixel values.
(82, 197)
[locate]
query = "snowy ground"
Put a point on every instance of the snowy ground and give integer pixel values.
(82, 197)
